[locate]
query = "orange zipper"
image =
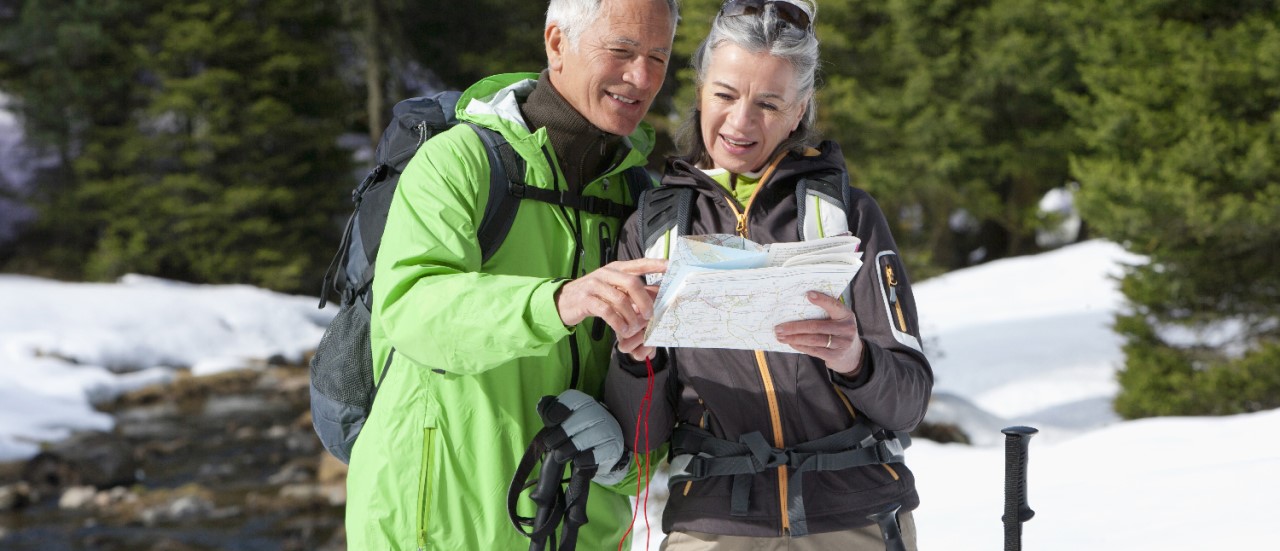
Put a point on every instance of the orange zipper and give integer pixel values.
(892, 281)
(854, 414)
(775, 419)
(845, 399)
(775, 414)
(702, 424)
(740, 216)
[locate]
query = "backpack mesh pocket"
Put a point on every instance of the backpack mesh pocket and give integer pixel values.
(342, 380)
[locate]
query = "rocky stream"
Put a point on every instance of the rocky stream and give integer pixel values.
(219, 462)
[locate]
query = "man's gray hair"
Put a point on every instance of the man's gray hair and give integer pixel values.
(575, 16)
(762, 32)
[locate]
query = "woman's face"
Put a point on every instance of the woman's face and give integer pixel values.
(750, 102)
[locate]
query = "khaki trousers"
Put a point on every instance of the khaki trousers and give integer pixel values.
(866, 538)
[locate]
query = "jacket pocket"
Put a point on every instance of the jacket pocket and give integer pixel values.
(425, 488)
(899, 304)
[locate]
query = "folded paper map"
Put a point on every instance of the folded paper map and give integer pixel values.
(724, 291)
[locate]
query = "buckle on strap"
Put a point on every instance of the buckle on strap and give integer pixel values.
(591, 204)
(688, 466)
(516, 190)
(890, 451)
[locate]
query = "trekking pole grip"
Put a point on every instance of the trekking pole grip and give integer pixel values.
(1016, 511)
(890, 531)
(546, 494)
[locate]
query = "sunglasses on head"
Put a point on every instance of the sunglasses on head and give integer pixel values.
(791, 13)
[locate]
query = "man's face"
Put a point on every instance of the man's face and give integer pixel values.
(617, 66)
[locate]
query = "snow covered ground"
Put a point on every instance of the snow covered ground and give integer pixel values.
(1017, 341)
(66, 345)
(1027, 341)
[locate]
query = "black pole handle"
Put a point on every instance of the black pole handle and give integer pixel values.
(550, 502)
(887, 518)
(575, 514)
(1016, 511)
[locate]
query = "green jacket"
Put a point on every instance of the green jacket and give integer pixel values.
(476, 345)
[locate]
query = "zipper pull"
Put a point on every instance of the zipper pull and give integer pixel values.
(892, 281)
(742, 225)
(893, 284)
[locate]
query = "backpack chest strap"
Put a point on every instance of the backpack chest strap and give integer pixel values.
(584, 203)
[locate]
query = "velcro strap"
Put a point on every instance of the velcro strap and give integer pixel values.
(740, 497)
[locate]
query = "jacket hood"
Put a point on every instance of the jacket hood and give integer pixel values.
(494, 102)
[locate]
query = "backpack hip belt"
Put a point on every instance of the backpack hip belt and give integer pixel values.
(697, 455)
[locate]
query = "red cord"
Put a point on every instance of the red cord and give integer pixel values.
(647, 404)
(642, 478)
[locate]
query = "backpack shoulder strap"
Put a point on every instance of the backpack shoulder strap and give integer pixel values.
(637, 179)
(822, 201)
(665, 213)
(500, 212)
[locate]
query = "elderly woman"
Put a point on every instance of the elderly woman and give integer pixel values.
(775, 450)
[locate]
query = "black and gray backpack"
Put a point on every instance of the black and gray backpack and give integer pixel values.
(342, 375)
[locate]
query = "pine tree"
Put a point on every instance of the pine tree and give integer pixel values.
(947, 113)
(1182, 125)
(70, 74)
(204, 146)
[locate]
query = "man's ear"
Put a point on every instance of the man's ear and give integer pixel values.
(554, 40)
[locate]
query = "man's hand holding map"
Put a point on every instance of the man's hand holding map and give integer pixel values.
(724, 291)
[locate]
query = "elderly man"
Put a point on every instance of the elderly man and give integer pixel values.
(465, 347)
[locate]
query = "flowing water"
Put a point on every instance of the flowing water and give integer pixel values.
(213, 463)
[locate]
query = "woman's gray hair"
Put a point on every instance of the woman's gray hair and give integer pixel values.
(762, 32)
(575, 16)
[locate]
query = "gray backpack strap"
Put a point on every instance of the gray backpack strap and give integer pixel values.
(822, 202)
(665, 213)
(500, 212)
(638, 181)
(684, 211)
